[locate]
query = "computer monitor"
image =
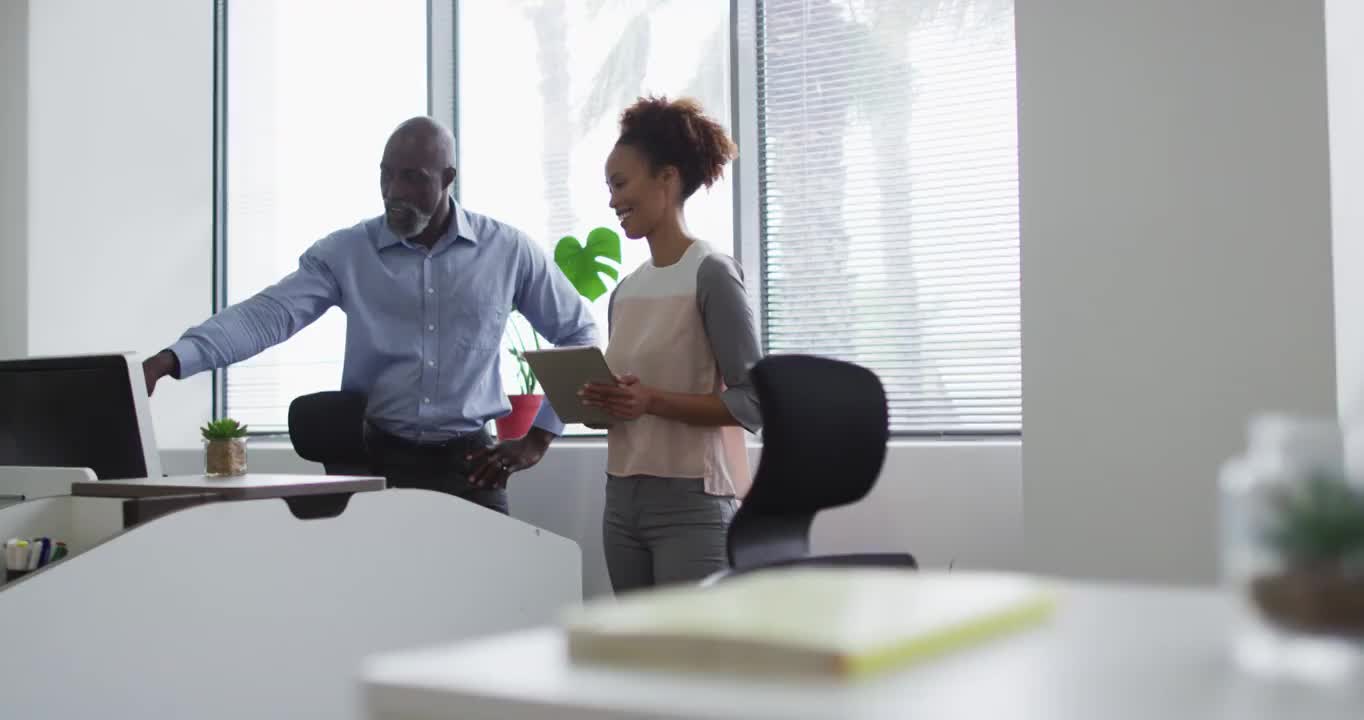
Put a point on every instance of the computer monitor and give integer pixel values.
(81, 411)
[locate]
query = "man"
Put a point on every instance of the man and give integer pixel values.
(426, 289)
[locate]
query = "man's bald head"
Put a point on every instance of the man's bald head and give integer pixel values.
(415, 176)
(426, 139)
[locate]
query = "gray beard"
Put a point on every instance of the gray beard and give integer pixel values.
(413, 228)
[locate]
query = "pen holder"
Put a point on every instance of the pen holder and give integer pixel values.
(225, 457)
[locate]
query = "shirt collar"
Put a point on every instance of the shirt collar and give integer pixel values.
(461, 228)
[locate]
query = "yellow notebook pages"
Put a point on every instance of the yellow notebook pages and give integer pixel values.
(833, 622)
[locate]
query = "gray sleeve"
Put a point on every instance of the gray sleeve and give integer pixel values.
(733, 334)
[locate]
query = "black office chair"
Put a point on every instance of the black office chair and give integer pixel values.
(825, 429)
(329, 428)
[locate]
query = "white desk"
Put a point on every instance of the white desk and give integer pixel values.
(229, 610)
(19, 483)
(1111, 652)
(252, 486)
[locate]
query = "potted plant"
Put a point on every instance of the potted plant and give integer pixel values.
(525, 404)
(583, 264)
(224, 448)
(1314, 530)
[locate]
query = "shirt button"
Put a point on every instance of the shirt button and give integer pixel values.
(426, 400)
(432, 328)
(430, 363)
(430, 291)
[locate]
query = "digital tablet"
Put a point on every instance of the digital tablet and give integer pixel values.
(562, 372)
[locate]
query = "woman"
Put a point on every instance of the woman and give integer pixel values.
(682, 339)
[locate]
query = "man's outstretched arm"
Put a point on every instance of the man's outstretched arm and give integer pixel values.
(251, 326)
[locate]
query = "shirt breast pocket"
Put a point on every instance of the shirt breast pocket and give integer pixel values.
(479, 323)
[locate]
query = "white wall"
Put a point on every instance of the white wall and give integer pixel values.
(13, 178)
(1176, 265)
(120, 172)
(1345, 88)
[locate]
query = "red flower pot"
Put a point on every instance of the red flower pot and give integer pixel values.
(523, 411)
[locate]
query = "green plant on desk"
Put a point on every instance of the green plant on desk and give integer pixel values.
(1320, 524)
(1315, 529)
(225, 429)
(224, 448)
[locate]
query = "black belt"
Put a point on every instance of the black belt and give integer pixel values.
(378, 439)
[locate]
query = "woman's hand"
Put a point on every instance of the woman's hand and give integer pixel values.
(628, 399)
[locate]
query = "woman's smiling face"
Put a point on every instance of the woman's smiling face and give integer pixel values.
(639, 195)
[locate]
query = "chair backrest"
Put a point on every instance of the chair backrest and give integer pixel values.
(329, 428)
(825, 429)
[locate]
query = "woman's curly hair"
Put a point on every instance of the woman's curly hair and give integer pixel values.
(678, 133)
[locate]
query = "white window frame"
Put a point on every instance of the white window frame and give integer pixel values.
(748, 244)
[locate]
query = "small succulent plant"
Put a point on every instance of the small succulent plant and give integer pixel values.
(1319, 523)
(224, 429)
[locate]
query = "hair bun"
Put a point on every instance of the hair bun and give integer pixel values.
(678, 133)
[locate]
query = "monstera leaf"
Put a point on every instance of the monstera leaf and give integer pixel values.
(583, 263)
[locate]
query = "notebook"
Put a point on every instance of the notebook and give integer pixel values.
(834, 622)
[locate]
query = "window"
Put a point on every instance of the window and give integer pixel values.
(541, 84)
(884, 208)
(889, 200)
(314, 87)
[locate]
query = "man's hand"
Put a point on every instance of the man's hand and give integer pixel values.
(158, 366)
(628, 399)
(490, 467)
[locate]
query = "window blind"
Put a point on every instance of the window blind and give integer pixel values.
(889, 200)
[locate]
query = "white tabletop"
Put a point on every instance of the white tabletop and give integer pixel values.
(244, 487)
(1112, 652)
